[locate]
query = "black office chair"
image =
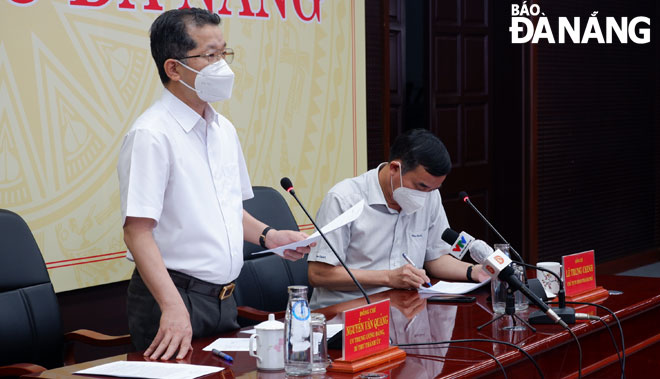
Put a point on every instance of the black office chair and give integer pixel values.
(31, 338)
(269, 207)
(261, 287)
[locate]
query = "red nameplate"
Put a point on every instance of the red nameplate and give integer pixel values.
(366, 330)
(579, 272)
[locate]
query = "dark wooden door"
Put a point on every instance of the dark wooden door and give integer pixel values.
(436, 76)
(459, 109)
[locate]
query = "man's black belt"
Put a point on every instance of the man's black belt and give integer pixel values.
(189, 283)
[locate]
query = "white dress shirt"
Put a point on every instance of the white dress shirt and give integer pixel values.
(188, 174)
(376, 239)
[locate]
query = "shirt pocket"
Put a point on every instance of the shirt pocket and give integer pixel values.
(416, 241)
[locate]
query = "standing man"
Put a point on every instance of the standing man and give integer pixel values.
(182, 180)
(403, 213)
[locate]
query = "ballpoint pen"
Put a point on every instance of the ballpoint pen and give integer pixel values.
(222, 355)
(405, 256)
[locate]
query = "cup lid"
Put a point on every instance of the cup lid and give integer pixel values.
(271, 324)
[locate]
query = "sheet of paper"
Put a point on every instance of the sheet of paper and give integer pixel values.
(332, 329)
(349, 216)
(452, 288)
(229, 344)
(128, 369)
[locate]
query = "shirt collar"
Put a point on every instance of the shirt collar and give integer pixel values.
(374, 191)
(185, 116)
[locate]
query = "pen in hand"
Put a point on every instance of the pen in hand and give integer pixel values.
(222, 355)
(405, 256)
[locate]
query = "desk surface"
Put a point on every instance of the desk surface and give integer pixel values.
(413, 320)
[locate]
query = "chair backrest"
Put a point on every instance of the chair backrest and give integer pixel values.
(267, 206)
(30, 325)
(263, 281)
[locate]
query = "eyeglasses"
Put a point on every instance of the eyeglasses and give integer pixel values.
(227, 54)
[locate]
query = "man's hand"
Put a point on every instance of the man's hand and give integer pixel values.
(479, 274)
(406, 277)
(275, 238)
(174, 334)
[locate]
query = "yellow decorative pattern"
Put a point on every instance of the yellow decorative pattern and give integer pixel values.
(73, 79)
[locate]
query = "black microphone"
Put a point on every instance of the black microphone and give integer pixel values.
(566, 313)
(497, 264)
(459, 242)
(288, 187)
(466, 199)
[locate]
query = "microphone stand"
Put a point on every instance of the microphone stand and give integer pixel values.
(510, 310)
(334, 342)
(467, 200)
(567, 314)
(289, 188)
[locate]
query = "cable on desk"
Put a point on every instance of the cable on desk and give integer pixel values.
(623, 345)
(579, 352)
(616, 347)
(480, 351)
(478, 340)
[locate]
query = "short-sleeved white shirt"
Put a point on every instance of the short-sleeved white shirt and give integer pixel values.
(376, 239)
(189, 175)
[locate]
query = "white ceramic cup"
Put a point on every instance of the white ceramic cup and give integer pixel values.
(267, 344)
(549, 281)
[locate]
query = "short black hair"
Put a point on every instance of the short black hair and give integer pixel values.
(421, 147)
(169, 35)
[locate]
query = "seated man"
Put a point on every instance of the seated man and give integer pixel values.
(403, 213)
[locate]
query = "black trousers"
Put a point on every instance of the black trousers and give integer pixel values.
(208, 314)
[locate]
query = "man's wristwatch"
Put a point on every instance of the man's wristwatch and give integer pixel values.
(262, 237)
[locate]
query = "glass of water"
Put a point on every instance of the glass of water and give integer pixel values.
(319, 344)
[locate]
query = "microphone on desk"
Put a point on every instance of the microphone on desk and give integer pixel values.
(466, 199)
(533, 284)
(498, 265)
(288, 187)
(566, 313)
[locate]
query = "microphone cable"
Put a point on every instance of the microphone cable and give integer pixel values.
(531, 359)
(616, 347)
(465, 348)
(561, 295)
(577, 341)
(561, 287)
(622, 358)
(623, 346)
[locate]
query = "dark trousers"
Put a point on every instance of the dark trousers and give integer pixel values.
(208, 314)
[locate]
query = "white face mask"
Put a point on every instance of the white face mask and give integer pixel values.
(409, 200)
(214, 82)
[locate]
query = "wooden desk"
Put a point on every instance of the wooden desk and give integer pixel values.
(413, 320)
